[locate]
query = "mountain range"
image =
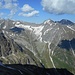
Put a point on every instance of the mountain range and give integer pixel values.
(50, 44)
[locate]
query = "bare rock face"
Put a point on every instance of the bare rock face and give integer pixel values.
(65, 22)
(49, 45)
(13, 53)
(7, 46)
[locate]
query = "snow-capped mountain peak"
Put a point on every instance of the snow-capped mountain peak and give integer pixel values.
(48, 21)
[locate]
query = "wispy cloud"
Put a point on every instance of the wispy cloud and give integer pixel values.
(27, 8)
(59, 6)
(33, 13)
(28, 11)
(1, 14)
(0, 5)
(11, 5)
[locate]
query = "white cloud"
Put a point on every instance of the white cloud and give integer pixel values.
(8, 1)
(28, 11)
(0, 5)
(27, 8)
(13, 7)
(14, 0)
(10, 5)
(33, 13)
(59, 6)
(1, 14)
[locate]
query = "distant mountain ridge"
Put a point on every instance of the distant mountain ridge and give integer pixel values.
(65, 22)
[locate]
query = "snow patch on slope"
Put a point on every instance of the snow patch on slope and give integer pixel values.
(47, 31)
(47, 22)
(52, 62)
(23, 26)
(37, 30)
(70, 28)
(13, 22)
(17, 22)
(12, 35)
(4, 27)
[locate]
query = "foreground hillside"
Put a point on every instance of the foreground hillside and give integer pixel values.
(19, 69)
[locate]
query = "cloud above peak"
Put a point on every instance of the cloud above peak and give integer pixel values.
(33, 13)
(28, 11)
(59, 6)
(27, 8)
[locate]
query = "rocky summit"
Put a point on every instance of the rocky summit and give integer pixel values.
(49, 47)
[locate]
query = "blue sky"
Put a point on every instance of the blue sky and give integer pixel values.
(37, 11)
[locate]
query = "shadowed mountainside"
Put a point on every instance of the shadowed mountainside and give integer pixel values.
(19, 69)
